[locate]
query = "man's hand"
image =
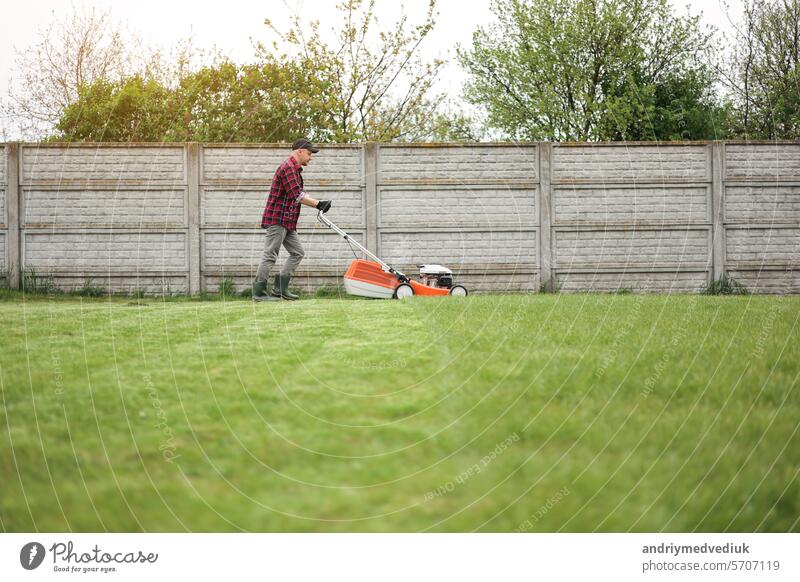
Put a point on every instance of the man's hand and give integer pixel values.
(323, 205)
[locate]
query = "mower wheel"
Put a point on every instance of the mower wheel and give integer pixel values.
(403, 290)
(458, 291)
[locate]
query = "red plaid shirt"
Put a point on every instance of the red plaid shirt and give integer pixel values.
(283, 204)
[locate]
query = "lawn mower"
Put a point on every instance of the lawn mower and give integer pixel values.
(374, 278)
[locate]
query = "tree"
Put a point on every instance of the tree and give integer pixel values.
(686, 107)
(220, 103)
(88, 49)
(82, 49)
(132, 109)
(762, 75)
(378, 86)
(586, 70)
(364, 85)
(268, 101)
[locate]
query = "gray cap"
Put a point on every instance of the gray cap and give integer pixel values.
(304, 144)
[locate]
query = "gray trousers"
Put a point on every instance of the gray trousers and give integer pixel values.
(277, 236)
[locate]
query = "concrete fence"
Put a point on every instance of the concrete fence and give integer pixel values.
(505, 217)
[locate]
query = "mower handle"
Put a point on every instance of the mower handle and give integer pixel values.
(327, 222)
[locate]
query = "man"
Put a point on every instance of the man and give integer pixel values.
(280, 219)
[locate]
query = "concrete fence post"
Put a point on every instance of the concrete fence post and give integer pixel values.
(193, 204)
(371, 194)
(546, 275)
(717, 210)
(13, 204)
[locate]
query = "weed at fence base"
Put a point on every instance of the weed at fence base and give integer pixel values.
(725, 285)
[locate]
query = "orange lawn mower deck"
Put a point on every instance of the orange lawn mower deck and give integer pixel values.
(374, 278)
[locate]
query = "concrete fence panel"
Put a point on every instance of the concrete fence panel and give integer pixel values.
(761, 218)
(100, 207)
(633, 249)
(767, 162)
(458, 164)
(452, 206)
(109, 164)
(632, 216)
(630, 163)
(473, 208)
(629, 204)
(113, 215)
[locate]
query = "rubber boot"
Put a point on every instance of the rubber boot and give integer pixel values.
(282, 288)
(260, 292)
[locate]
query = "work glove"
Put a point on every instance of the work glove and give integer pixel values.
(323, 205)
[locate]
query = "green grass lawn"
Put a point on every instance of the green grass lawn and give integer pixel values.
(488, 413)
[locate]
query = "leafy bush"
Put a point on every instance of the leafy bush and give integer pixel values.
(138, 293)
(725, 285)
(89, 290)
(551, 288)
(34, 283)
(330, 291)
(226, 287)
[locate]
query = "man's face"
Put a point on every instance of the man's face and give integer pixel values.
(304, 157)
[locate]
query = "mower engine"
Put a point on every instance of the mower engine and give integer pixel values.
(436, 276)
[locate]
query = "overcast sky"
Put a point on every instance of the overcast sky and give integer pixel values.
(231, 24)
